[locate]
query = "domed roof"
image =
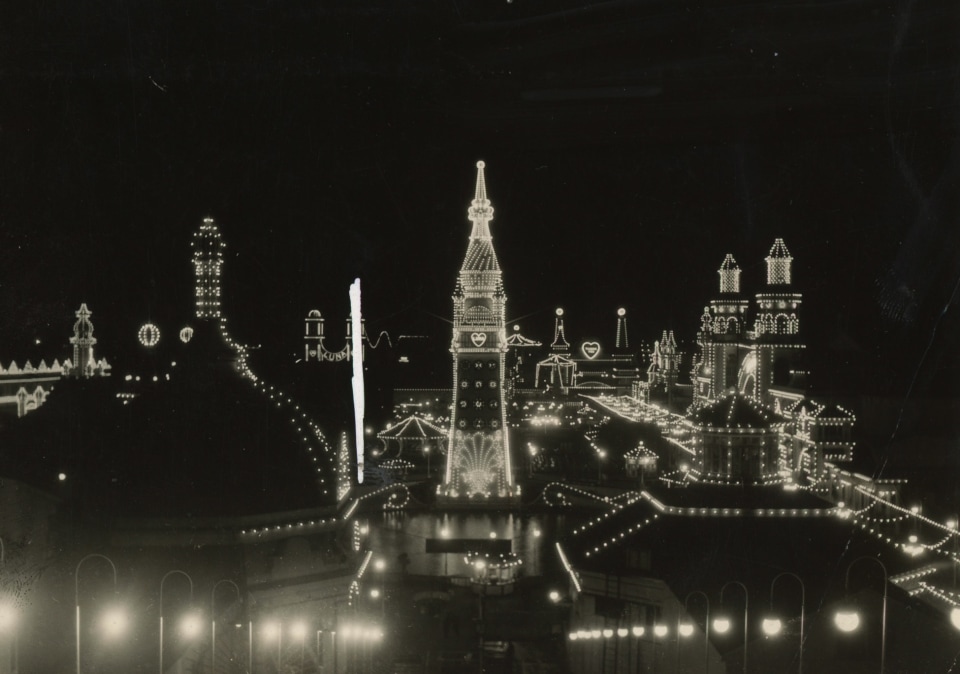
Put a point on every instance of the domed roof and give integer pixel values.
(199, 436)
(736, 411)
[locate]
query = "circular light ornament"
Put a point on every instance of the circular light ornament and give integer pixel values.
(149, 335)
(621, 312)
(559, 311)
(846, 620)
(721, 625)
(772, 626)
(186, 334)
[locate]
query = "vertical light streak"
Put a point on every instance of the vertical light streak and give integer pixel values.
(358, 397)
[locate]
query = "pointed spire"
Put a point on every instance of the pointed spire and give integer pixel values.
(560, 342)
(480, 211)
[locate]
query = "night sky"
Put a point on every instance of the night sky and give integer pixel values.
(629, 146)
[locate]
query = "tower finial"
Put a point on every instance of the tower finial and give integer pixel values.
(481, 212)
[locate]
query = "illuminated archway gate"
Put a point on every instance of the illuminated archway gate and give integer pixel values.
(478, 457)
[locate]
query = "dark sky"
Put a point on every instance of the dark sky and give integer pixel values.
(629, 146)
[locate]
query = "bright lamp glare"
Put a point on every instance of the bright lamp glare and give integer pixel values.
(638, 631)
(955, 617)
(608, 633)
(721, 625)
(847, 621)
(622, 632)
(271, 630)
(299, 630)
(772, 626)
(554, 596)
(374, 593)
(114, 622)
(660, 630)
(685, 629)
(8, 617)
(190, 626)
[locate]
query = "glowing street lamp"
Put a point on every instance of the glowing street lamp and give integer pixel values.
(847, 619)
(955, 617)
(213, 622)
(162, 581)
(772, 626)
(722, 624)
(114, 622)
(299, 632)
(273, 630)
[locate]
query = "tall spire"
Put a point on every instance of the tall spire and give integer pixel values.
(481, 211)
(480, 254)
(83, 342)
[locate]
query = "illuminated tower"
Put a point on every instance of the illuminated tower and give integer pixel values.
(83, 342)
(622, 341)
(722, 332)
(560, 343)
(478, 461)
(778, 376)
(207, 260)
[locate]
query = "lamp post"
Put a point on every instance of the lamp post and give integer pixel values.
(601, 455)
(162, 581)
(213, 620)
(426, 450)
(319, 651)
(333, 638)
(849, 620)
(299, 631)
(8, 614)
(706, 629)
(536, 548)
(445, 533)
(116, 619)
(380, 565)
(773, 625)
(721, 625)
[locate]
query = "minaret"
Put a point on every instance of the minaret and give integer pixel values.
(560, 344)
(780, 371)
(83, 342)
(478, 461)
(313, 337)
(722, 329)
(778, 264)
(622, 341)
(208, 248)
(778, 308)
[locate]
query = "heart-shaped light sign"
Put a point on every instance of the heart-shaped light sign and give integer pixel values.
(590, 349)
(478, 338)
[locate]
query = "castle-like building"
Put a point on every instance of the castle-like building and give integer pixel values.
(753, 348)
(478, 460)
